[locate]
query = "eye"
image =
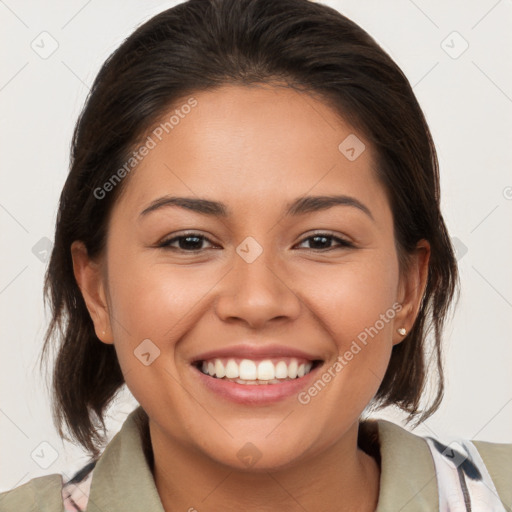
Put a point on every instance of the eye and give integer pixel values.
(192, 242)
(189, 242)
(321, 240)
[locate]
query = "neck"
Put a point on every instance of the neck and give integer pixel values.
(341, 478)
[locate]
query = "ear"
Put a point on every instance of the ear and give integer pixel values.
(90, 279)
(411, 289)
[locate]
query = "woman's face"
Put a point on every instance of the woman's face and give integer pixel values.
(260, 286)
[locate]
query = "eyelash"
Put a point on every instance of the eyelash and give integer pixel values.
(166, 244)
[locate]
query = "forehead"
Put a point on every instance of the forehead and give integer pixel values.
(253, 144)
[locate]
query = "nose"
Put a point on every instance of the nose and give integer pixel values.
(256, 293)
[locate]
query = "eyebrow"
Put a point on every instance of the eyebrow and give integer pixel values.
(297, 207)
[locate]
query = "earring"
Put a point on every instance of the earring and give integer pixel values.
(402, 331)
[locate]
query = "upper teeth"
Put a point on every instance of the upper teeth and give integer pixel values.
(247, 369)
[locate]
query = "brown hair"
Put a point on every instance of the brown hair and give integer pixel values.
(200, 45)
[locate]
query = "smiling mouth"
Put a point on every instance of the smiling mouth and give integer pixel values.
(257, 372)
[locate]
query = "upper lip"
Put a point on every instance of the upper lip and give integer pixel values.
(246, 351)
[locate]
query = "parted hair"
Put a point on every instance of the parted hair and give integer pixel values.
(200, 45)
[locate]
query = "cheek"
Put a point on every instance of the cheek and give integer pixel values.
(154, 300)
(355, 306)
(147, 301)
(352, 296)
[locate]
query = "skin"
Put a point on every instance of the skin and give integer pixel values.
(254, 149)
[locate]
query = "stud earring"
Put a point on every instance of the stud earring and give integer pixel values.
(402, 331)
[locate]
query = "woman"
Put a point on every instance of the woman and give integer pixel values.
(250, 238)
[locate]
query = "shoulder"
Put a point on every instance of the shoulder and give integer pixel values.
(42, 494)
(407, 472)
(427, 468)
(120, 473)
(50, 493)
(498, 461)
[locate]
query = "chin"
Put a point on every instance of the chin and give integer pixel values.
(257, 457)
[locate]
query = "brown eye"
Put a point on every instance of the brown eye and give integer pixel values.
(321, 241)
(190, 242)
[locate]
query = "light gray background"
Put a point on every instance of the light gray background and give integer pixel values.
(467, 99)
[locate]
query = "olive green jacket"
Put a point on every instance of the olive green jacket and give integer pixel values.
(122, 479)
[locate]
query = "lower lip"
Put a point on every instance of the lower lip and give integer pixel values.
(256, 393)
